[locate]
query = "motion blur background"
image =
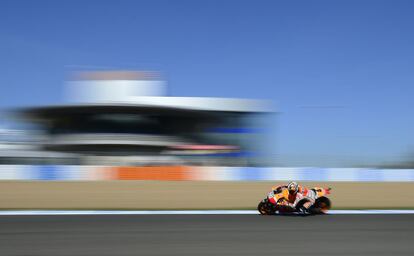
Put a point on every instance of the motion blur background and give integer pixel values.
(110, 104)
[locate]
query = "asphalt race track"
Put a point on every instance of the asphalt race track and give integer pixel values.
(206, 235)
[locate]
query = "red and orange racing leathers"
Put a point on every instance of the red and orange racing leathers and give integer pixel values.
(283, 197)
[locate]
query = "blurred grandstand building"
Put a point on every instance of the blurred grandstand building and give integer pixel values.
(126, 118)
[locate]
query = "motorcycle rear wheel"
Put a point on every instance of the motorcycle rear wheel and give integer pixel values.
(323, 204)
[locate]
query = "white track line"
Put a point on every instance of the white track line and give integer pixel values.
(194, 212)
(371, 212)
(186, 212)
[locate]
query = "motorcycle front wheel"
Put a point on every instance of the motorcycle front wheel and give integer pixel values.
(264, 208)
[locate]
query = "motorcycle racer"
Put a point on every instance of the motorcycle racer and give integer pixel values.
(295, 188)
(312, 193)
(288, 195)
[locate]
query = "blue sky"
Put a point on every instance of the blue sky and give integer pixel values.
(340, 72)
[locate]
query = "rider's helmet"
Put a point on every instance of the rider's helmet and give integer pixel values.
(293, 187)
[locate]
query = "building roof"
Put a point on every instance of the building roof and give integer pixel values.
(185, 106)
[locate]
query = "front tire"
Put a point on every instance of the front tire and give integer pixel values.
(264, 208)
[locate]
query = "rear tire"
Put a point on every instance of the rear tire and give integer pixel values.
(322, 204)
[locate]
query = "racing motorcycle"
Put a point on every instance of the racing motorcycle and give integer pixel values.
(315, 201)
